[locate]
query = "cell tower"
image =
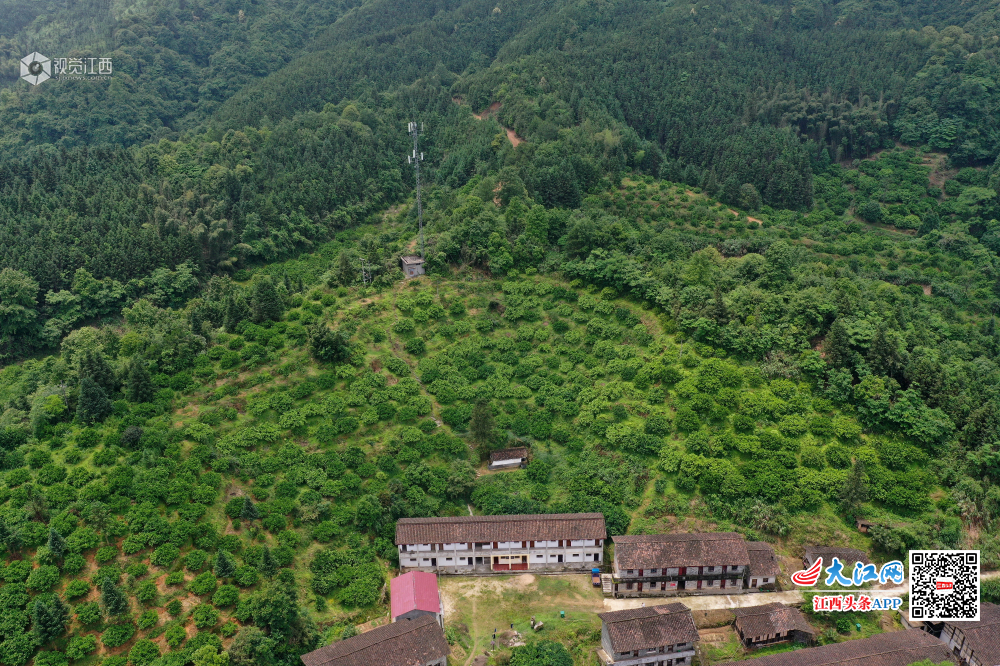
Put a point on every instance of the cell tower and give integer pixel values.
(415, 159)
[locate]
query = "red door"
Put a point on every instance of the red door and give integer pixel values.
(681, 571)
(640, 586)
(699, 583)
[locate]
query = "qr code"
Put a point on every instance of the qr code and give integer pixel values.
(944, 585)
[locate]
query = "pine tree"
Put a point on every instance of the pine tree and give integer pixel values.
(265, 304)
(113, 599)
(855, 490)
(49, 617)
(719, 311)
(138, 385)
(481, 425)
(237, 310)
(93, 404)
(345, 272)
(93, 364)
(329, 345)
(249, 511)
(56, 544)
(225, 567)
(884, 356)
(268, 565)
(838, 345)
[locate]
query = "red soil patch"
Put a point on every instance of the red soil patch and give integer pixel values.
(490, 111)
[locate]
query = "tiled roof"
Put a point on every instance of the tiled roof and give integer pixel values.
(846, 555)
(509, 454)
(894, 648)
(416, 590)
(983, 636)
(541, 527)
(759, 621)
(648, 551)
(403, 643)
(763, 561)
(653, 626)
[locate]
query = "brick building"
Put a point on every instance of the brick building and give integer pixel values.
(414, 594)
(509, 458)
(758, 626)
(412, 266)
(654, 636)
(416, 642)
(763, 572)
(975, 643)
(666, 564)
(484, 544)
(893, 648)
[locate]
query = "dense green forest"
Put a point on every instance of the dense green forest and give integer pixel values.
(218, 480)
(235, 133)
(730, 266)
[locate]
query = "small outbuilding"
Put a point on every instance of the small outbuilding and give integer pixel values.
(509, 458)
(412, 265)
(758, 626)
(414, 594)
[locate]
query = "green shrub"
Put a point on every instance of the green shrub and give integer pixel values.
(106, 554)
(147, 619)
(175, 636)
(117, 634)
(195, 560)
(143, 652)
(203, 584)
(80, 646)
(43, 578)
(226, 595)
(205, 616)
(76, 589)
(88, 613)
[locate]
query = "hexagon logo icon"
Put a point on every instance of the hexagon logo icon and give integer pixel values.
(36, 68)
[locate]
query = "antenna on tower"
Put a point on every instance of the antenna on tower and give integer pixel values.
(415, 159)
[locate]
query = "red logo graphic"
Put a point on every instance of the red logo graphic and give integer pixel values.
(944, 585)
(810, 575)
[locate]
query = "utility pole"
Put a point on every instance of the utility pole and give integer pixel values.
(415, 159)
(366, 274)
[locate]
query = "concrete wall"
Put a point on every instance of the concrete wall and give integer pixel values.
(458, 558)
(417, 613)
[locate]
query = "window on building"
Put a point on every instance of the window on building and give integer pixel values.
(628, 586)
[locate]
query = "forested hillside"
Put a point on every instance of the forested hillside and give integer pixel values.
(225, 474)
(232, 133)
(727, 266)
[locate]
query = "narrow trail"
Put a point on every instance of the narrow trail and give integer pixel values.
(474, 650)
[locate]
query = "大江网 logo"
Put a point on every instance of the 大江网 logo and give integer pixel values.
(36, 68)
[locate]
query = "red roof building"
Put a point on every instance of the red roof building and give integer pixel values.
(414, 594)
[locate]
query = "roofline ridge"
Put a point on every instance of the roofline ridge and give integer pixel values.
(402, 633)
